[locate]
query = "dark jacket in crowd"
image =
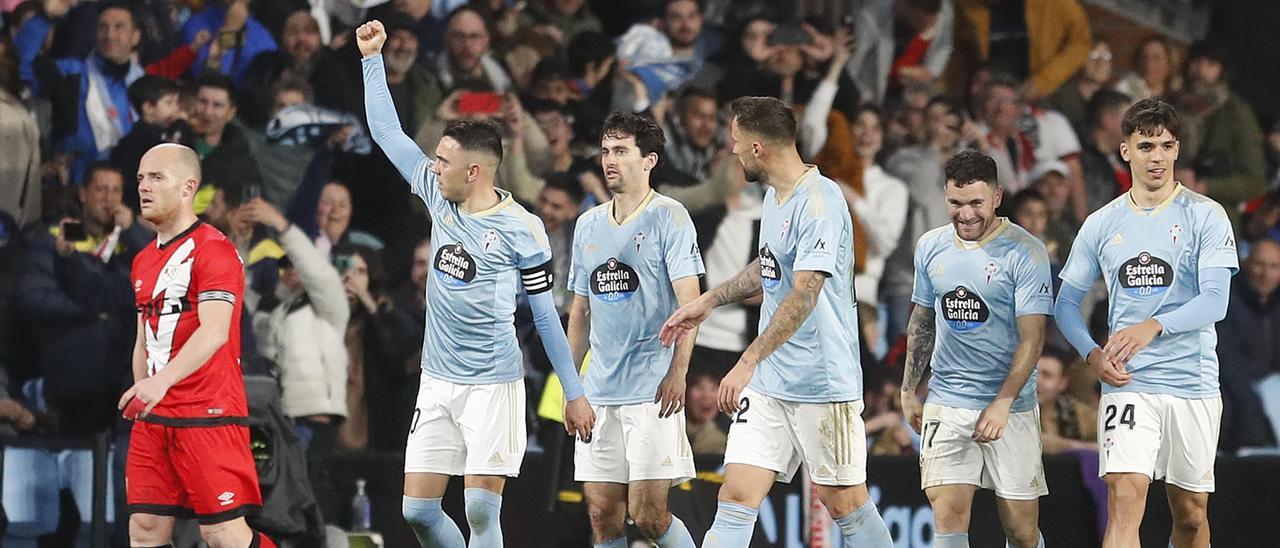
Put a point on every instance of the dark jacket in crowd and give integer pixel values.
(1248, 350)
(82, 312)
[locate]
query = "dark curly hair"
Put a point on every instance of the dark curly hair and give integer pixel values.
(971, 166)
(649, 137)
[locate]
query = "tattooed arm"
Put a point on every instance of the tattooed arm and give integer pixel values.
(743, 286)
(921, 330)
(686, 318)
(787, 319)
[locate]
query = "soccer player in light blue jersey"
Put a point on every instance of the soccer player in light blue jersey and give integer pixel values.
(982, 293)
(1167, 256)
(796, 393)
(635, 259)
(469, 417)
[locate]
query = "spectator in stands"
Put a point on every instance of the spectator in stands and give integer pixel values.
(427, 25)
(375, 349)
(920, 168)
(558, 205)
(155, 99)
(1049, 180)
(302, 49)
(682, 24)
(706, 435)
(1222, 138)
(1019, 136)
(95, 86)
(901, 44)
(333, 221)
(1154, 73)
(1249, 340)
(1106, 175)
(561, 19)
(467, 60)
(881, 209)
(76, 287)
(303, 335)
(1072, 99)
(693, 133)
(222, 146)
(417, 92)
(20, 163)
(1039, 42)
(239, 37)
(1066, 423)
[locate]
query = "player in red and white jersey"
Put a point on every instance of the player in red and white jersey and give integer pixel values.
(189, 449)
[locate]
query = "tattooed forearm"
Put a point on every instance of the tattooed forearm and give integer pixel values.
(746, 284)
(791, 313)
(920, 339)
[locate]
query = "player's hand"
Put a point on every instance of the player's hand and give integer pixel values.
(149, 391)
(684, 319)
(370, 37)
(992, 420)
(732, 384)
(670, 393)
(1126, 342)
(1108, 368)
(912, 409)
(579, 419)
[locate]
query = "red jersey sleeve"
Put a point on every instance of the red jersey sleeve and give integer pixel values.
(218, 273)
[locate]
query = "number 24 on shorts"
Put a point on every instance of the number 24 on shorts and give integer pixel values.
(1126, 417)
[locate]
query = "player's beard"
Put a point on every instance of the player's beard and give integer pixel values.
(753, 175)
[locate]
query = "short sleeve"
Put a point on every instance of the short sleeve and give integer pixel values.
(218, 272)
(532, 248)
(681, 254)
(1217, 245)
(1082, 266)
(820, 233)
(923, 293)
(1033, 284)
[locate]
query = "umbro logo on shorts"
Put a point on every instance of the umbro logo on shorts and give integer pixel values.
(227, 498)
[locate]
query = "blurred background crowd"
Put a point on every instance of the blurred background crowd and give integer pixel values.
(337, 252)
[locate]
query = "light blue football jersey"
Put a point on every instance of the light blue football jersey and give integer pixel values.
(1151, 262)
(625, 271)
(977, 291)
(476, 259)
(812, 231)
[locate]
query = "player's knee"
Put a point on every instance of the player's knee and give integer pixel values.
(1190, 517)
(481, 515)
(652, 524)
(605, 520)
(150, 529)
(1022, 535)
(1124, 497)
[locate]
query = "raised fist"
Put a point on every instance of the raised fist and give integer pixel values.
(370, 37)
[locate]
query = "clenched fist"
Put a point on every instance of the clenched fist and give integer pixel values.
(370, 37)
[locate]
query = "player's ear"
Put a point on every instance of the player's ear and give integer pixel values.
(473, 172)
(1124, 151)
(999, 195)
(650, 161)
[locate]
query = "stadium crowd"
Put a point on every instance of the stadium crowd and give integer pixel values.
(337, 253)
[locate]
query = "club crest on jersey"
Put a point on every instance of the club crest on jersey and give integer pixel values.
(638, 239)
(769, 275)
(614, 281)
(454, 266)
(1174, 232)
(490, 238)
(991, 269)
(964, 310)
(1146, 275)
(786, 226)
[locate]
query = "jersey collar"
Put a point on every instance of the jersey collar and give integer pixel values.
(504, 200)
(1003, 224)
(804, 177)
(634, 214)
(180, 235)
(1177, 189)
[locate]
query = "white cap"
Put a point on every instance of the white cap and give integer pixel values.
(1046, 167)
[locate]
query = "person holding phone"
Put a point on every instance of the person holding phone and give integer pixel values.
(74, 285)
